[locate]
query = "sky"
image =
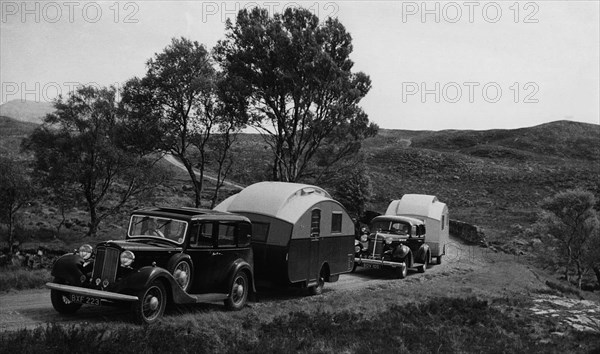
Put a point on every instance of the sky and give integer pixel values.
(433, 64)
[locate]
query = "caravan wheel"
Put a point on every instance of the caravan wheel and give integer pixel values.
(318, 289)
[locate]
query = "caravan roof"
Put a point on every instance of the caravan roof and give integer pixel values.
(285, 201)
(417, 204)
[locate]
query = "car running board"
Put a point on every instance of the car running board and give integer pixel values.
(212, 297)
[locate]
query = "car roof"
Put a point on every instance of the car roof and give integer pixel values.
(406, 219)
(188, 214)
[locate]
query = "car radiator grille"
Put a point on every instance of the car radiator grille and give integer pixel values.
(377, 246)
(106, 265)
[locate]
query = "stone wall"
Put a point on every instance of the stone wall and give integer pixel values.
(470, 234)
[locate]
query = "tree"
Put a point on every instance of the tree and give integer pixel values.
(80, 146)
(182, 101)
(354, 190)
(571, 219)
(296, 81)
(15, 192)
(176, 100)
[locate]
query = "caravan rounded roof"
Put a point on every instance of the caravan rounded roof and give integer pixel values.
(286, 201)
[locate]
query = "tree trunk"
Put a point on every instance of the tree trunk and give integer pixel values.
(11, 231)
(93, 225)
(597, 272)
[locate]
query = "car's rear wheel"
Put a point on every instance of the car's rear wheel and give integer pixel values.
(61, 302)
(423, 268)
(239, 292)
(182, 272)
(151, 304)
(439, 260)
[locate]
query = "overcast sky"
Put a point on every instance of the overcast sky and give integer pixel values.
(434, 65)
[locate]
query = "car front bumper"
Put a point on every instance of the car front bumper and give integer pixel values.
(379, 262)
(107, 295)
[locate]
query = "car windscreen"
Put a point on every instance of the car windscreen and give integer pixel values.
(394, 227)
(145, 226)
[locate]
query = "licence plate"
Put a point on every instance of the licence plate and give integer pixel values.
(88, 300)
(373, 266)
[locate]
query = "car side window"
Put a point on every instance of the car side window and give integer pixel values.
(205, 236)
(226, 235)
(244, 233)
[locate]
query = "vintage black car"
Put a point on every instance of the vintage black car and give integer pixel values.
(177, 255)
(397, 243)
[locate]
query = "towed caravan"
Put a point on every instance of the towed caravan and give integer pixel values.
(433, 212)
(301, 236)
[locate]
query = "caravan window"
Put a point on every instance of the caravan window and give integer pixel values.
(443, 221)
(260, 231)
(336, 222)
(315, 223)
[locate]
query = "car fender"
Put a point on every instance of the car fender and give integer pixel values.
(69, 269)
(144, 276)
(236, 266)
(422, 253)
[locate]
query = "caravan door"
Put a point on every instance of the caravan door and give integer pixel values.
(315, 244)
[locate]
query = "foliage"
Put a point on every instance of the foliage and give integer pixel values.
(354, 190)
(571, 219)
(445, 324)
(80, 148)
(294, 78)
(15, 191)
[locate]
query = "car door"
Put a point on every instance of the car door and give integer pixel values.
(202, 249)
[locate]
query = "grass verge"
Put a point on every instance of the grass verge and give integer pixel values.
(19, 278)
(441, 325)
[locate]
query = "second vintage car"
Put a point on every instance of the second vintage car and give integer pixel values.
(178, 255)
(397, 243)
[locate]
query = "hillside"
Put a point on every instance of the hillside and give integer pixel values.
(12, 133)
(563, 139)
(26, 111)
(494, 179)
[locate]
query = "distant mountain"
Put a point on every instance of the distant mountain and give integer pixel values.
(26, 111)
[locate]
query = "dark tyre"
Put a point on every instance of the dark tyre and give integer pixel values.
(318, 289)
(439, 260)
(183, 274)
(354, 266)
(151, 304)
(402, 271)
(423, 268)
(62, 304)
(239, 292)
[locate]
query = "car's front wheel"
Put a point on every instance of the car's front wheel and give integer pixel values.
(151, 304)
(402, 271)
(239, 292)
(61, 302)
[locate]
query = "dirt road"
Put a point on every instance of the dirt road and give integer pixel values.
(465, 271)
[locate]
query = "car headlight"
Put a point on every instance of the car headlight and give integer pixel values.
(85, 252)
(127, 257)
(356, 249)
(363, 238)
(388, 240)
